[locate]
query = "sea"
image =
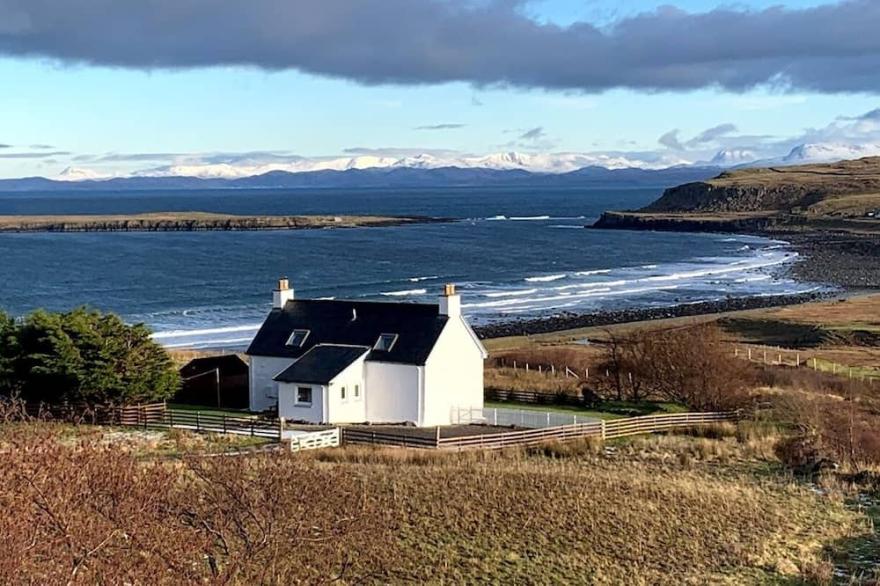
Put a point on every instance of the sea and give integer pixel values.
(513, 252)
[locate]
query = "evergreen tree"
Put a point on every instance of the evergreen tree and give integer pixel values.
(85, 356)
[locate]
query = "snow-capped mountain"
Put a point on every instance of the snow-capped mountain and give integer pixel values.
(553, 163)
(829, 153)
(733, 157)
(78, 174)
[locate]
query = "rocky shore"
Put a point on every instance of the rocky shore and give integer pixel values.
(571, 321)
(197, 222)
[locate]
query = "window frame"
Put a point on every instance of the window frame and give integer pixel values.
(305, 334)
(296, 398)
(391, 345)
(343, 393)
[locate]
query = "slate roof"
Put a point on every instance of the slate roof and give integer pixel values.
(418, 327)
(321, 364)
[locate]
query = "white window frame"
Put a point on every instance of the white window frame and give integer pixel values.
(293, 334)
(378, 343)
(300, 403)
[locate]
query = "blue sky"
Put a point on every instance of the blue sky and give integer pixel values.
(57, 112)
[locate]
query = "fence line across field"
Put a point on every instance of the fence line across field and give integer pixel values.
(499, 416)
(589, 427)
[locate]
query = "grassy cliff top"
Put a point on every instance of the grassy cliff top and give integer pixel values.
(847, 188)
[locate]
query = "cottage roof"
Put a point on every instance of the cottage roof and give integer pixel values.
(352, 323)
(321, 364)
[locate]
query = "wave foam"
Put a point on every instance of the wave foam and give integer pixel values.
(545, 279)
(404, 293)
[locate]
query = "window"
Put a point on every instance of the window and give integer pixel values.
(385, 342)
(357, 391)
(297, 338)
(342, 393)
(303, 395)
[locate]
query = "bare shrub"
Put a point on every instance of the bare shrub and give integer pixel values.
(692, 366)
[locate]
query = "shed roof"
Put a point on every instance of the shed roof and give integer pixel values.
(352, 323)
(321, 364)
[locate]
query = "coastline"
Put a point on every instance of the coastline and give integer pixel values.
(199, 222)
(573, 321)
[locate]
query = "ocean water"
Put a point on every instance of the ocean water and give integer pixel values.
(513, 252)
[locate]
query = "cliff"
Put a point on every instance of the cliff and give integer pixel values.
(785, 189)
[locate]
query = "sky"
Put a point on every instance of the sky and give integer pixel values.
(123, 87)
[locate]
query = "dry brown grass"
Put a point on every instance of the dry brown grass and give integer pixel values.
(659, 510)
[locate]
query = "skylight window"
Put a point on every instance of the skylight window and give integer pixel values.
(297, 338)
(385, 342)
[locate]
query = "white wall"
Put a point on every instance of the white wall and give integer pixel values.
(289, 410)
(263, 390)
(393, 392)
(352, 409)
(453, 374)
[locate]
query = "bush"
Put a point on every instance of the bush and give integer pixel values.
(83, 356)
(692, 366)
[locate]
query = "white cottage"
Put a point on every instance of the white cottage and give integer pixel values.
(327, 361)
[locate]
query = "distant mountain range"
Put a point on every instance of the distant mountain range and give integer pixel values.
(382, 177)
(587, 170)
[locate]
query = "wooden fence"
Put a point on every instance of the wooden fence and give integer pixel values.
(130, 415)
(530, 437)
(386, 438)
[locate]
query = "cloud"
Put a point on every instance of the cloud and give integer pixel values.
(709, 136)
(5, 146)
(670, 140)
(399, 152)
(440, 127)
(43, 155)
(826, 48)
(533, 134)
(41, 147)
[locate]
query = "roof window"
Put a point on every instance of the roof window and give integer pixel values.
(297, 338)
(385, 342)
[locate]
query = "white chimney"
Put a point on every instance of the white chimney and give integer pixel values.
(282, 294)
(450, 301)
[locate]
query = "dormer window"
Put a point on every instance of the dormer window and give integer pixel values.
(385, 342)
(297, 338)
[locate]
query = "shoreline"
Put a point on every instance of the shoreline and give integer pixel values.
(199, 222)
(574, 321)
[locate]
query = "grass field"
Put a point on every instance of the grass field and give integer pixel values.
(653, 510)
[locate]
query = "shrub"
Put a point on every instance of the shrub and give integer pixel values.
(692, 366)
(83, 356)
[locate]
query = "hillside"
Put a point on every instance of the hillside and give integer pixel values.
(830, 212)
(847, 188)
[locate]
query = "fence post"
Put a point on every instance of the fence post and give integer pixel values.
(548, 419)
(280, 428)
(437, 437)
(170, 418)
(495, 416)
(224, 423)
(198, 421)
(586, 373)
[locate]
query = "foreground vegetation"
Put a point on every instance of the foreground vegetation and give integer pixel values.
(666, 509)
(82, 356)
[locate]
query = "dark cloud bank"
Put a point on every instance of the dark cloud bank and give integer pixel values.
(829, 48)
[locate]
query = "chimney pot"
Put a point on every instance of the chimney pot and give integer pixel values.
(282, 294)
(450, 301)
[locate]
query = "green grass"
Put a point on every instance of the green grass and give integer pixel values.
(218, 411)
(607, 409)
